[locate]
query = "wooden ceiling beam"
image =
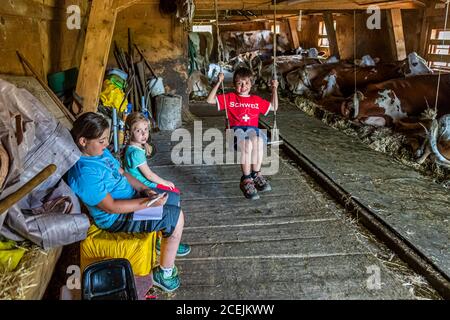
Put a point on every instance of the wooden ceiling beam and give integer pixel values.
(309, 5)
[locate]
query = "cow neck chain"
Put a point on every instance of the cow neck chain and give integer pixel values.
(439, 72)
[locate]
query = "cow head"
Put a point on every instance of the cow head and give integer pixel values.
(330, 86)
(416, 65)
(439, 137)
(296, 81)
(365, 61)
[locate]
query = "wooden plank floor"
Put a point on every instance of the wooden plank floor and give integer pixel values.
(412, 204)
(293, 243)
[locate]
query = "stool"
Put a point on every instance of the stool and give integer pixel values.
(138, 248)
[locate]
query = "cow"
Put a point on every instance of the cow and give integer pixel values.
(284, 64)
(415, 65)
(367, 61)
(436, 134)
(198, 84)
(340, 79)
(248, 60)
(439, 140)
(385, 103)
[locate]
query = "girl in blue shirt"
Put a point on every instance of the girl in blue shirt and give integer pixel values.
(112, 196)
(135, 160)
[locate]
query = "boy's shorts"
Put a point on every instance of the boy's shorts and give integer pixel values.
(245, 133)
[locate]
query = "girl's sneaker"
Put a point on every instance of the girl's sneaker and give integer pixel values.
(167, 284)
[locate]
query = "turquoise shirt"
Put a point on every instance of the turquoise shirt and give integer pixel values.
(92, 178)
(135, 157)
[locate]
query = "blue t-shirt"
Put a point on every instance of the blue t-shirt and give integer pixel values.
(135, 157)
(92, 178)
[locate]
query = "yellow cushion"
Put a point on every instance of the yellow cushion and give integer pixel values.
(138, 248)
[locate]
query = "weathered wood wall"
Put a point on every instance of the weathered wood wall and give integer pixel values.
(37, 28)
(374, 42)
(162, 40)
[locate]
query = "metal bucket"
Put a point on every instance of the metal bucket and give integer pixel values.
(168, 111)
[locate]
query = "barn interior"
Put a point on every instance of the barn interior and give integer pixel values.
(363, 91)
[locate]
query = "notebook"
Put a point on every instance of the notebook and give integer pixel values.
(150, 213)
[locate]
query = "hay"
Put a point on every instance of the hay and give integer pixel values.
(14, 284)
(381, 139)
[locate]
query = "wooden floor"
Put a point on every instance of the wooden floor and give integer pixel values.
(293, 243)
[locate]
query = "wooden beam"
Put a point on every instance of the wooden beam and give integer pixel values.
(294, 32)
(100, 30)
(397, 36)
(423, 35)
(99, 35)
(310, 5)
(331, 34)
(123, 4)
(439, 58)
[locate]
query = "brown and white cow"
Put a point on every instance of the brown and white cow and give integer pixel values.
(387, 102)
(435, 134)
(284, 64)
(248, 60)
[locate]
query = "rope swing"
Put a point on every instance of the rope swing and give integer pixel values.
(219, 57)
(275, 135)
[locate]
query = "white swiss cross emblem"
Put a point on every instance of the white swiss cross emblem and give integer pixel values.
(245, 118)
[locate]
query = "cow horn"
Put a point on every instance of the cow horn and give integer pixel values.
(434, 136)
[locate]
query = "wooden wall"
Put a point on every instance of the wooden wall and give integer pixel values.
(374, 42)
(37, 28)
(162, 40)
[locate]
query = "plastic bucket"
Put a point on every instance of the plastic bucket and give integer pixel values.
(156, 86)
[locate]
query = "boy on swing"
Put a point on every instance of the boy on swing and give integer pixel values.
(243, 110)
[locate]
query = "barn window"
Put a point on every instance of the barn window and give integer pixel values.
(439, 49)
(323, 37)
(202, 28)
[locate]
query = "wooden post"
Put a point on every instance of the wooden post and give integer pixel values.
(100, 30)
(399, 39)
(331, 34)
(424, 37)
(294, 33)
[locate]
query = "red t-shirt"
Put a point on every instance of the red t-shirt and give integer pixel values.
(243, 111)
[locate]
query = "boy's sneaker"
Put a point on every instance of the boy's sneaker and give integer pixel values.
(261, 183)
(183, 248)
(168, 284)
(249, 190)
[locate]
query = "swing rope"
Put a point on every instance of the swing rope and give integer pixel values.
(274, 59)
(219, 57)
(275, 140)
